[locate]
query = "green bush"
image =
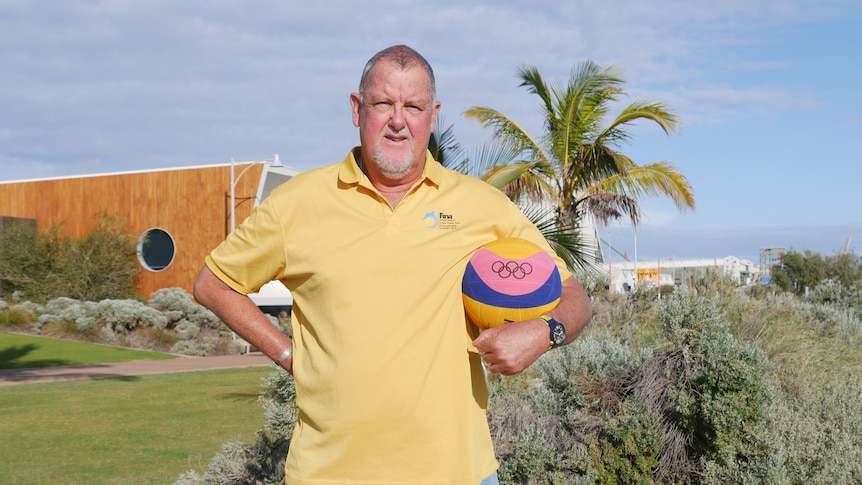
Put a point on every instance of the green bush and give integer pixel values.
(18, 316)
(180, 309)
(22, 258)
(801, 272)
(111, 319)
(714, 282)
(41, 267)
(816, 429)
(626, 450)
(172, 322)
(563, 420)
(721, 389)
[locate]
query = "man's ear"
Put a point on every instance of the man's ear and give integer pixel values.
(355, 103)
(434, 117)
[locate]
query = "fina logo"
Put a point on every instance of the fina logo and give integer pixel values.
(439, 220)
(430, 220)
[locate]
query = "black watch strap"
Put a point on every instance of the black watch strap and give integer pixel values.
(558, 331)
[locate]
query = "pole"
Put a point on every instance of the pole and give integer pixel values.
(232, 196)
(610, 268)
(234, 179)
(636, 255)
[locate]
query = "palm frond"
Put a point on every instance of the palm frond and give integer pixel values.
(489, 155)
(532, 80)
(650, 180)
(606, 207)
(652, 111)
(445, 147)
(504, 128)
(565, 239)
(527, 180)
(501, 176)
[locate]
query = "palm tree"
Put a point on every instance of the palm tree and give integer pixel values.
(446, 149)
(576, 165)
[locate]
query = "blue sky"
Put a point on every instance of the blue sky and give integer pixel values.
(768, 93)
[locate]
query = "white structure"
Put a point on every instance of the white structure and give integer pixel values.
(273, 294)
(625, 275)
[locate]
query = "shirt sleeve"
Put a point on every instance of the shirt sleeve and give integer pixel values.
(253, 254)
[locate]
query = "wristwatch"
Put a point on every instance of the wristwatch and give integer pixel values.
(558, 331)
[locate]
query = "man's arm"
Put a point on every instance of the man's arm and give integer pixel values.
(509, 349)
(239, 313)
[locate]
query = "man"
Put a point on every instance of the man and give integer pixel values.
(388, 372)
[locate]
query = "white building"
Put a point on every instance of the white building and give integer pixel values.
(625, 275)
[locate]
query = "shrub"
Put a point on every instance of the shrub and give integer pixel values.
(21, 258)
(817, 429)
(548, 423)
(112, 319)
(18, 316)
(180, 309)
(714, 282)
(122, 316)
(719, 385)
(45, 266)
(73, 317)
(171, 322)
(626, 449)
(104, 263)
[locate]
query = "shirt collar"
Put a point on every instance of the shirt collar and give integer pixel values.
(351, 174)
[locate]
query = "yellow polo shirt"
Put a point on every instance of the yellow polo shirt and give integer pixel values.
(388, 390)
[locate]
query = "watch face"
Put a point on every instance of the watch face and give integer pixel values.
(558, 331)
(558, 334)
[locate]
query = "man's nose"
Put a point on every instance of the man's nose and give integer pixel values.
(396, 121)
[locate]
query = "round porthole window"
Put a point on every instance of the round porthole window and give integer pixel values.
(156, 249)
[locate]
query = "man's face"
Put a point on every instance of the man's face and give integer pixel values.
(395, 117)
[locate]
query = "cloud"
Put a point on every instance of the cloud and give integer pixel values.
(113, 85)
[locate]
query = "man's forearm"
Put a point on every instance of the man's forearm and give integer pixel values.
(242, 316)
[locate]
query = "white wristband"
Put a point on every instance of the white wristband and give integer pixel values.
(284, 355)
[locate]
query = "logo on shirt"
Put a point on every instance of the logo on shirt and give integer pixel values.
(430, 220)
(439, 220)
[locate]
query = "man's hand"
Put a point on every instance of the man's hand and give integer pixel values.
(509, 349)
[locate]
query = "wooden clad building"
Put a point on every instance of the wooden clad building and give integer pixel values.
(177, 215)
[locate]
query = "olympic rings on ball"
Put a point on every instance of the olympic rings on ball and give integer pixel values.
(511, 269)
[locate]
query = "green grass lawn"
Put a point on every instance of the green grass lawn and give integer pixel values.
(138, 430)
(129, 430)
(19, 351)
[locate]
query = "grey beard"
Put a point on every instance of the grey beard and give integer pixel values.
(392, 169)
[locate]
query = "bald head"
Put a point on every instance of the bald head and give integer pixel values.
(401, 56)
